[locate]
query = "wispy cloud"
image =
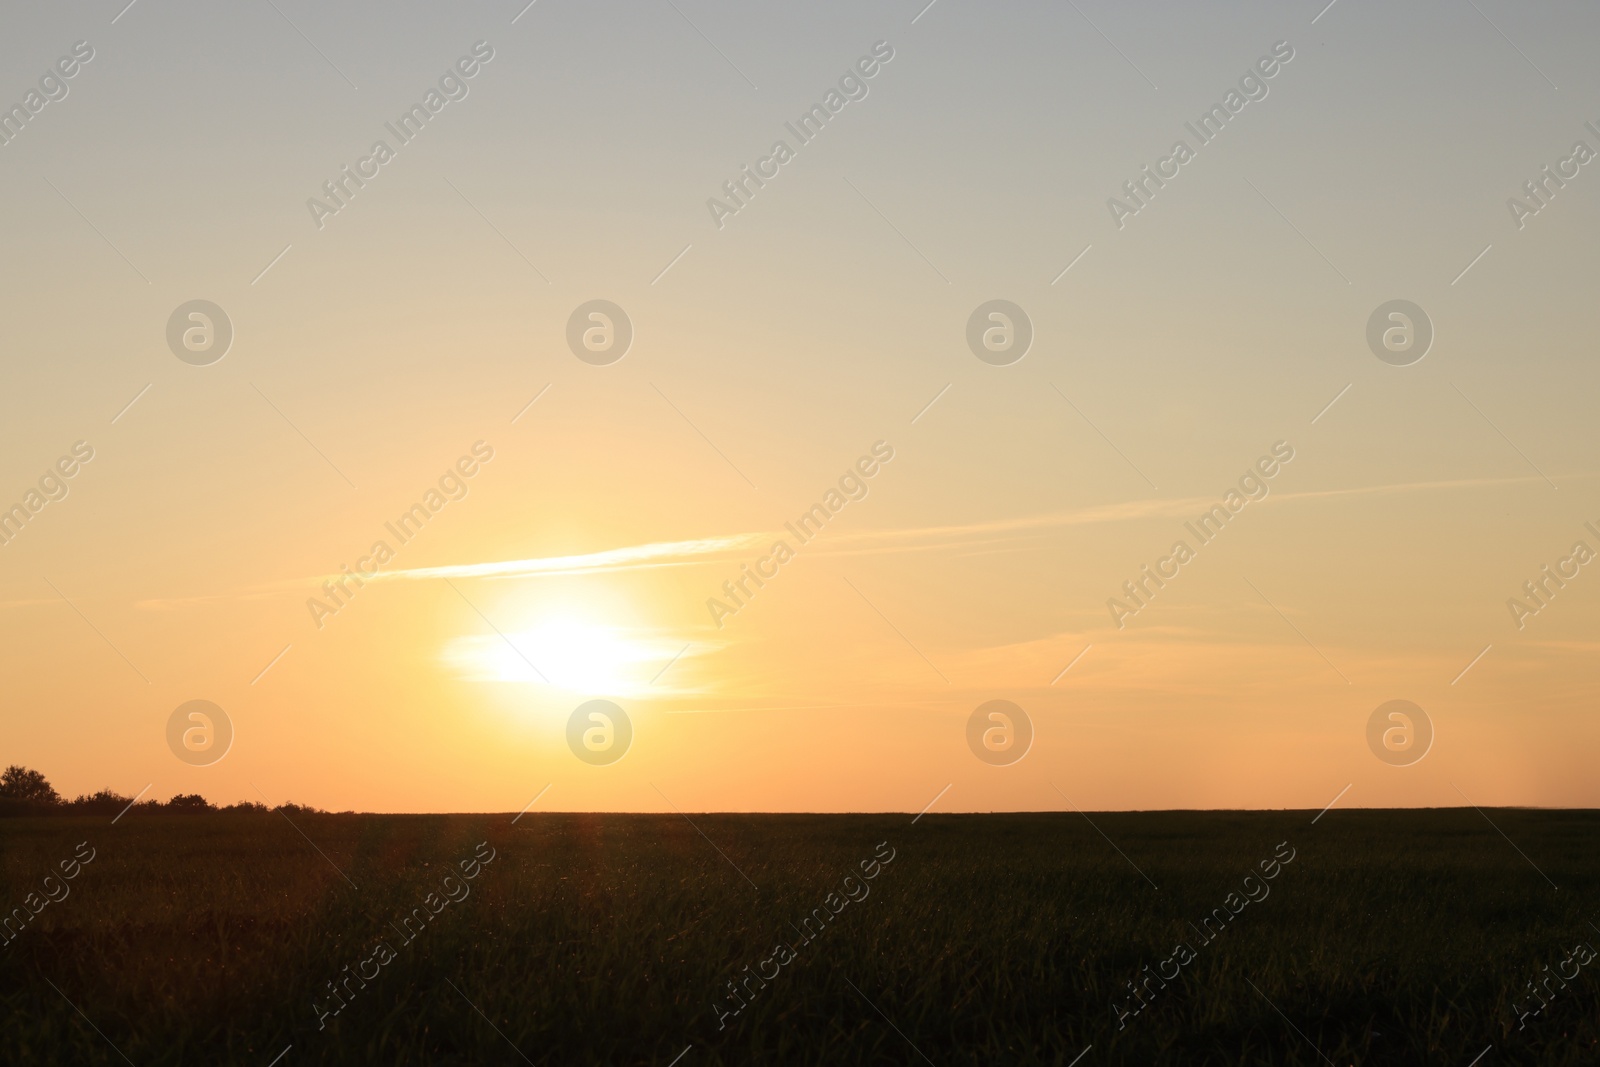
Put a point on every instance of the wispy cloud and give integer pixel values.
(630, 557)
(999, 534)
(925, 538)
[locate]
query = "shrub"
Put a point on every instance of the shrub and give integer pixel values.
(106, 801)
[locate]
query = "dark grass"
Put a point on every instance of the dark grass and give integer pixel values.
(1392, 938)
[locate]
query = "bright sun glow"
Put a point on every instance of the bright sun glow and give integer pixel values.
(570, 653)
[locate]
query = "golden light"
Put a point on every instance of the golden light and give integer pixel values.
(567, 652)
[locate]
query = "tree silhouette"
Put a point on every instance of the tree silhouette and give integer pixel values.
(20, 783)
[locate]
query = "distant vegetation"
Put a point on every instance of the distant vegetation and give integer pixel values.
(24, 791)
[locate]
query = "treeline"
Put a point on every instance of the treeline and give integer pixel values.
(28, 792)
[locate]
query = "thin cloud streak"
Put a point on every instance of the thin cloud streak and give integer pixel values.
(629, 557)
(658, 554)
(704, 550)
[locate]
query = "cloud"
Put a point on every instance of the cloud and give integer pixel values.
(1002, 532)
(630, 557)
(995, 535)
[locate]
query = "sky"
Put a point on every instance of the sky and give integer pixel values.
(1210, 339)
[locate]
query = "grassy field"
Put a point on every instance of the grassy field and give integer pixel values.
(1388, 938)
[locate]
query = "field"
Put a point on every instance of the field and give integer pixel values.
(1385, 938)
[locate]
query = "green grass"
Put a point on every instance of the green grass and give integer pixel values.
(1393, 937)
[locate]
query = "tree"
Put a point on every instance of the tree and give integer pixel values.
(21, 783)
(189, 802)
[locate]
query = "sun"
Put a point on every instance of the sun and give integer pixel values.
(567, 652)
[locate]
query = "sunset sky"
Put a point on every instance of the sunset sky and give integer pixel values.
(772, 349)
